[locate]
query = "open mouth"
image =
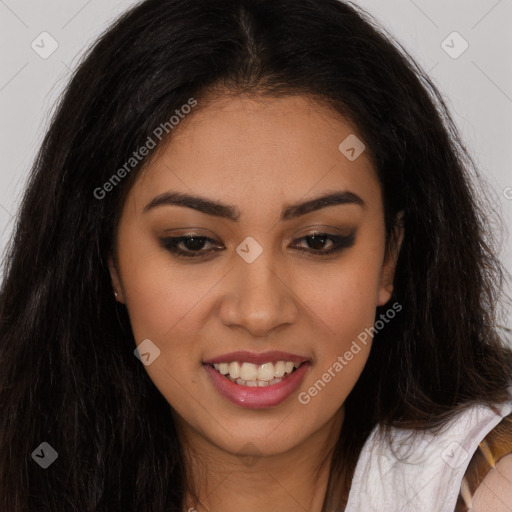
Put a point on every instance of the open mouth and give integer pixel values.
(256, 375)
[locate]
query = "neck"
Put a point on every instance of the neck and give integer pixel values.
(229, 482)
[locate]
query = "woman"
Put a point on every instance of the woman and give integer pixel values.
(250, 271)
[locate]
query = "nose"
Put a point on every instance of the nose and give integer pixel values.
(260, 297)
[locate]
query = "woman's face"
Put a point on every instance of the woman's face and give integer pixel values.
(256, 289)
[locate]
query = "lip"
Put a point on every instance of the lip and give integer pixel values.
(256, 358)
(257, 397)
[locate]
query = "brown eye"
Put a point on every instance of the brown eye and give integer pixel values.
(193, 245)
(317, 241)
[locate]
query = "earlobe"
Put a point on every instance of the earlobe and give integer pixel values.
(389, 267)
(116, 284)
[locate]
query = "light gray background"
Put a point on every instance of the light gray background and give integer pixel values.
(477, 85)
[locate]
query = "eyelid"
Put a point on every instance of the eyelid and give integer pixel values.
(324, 230)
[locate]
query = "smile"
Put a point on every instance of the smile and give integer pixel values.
(254, 375)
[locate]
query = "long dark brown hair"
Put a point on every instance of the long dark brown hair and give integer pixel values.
(68, 373)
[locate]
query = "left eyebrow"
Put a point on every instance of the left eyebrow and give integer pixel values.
(333, 199)
(230, 212)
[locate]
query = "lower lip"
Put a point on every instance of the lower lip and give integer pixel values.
(257, 397)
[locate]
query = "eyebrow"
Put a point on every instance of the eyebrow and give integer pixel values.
(219, 209)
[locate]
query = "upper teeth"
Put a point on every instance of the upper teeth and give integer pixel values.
(252, 372)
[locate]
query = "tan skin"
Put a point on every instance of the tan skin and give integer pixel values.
(495, 491)
(258, 155)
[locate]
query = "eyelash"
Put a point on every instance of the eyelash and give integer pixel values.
(340, 243)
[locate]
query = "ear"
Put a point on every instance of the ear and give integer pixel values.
(116, 282)
(389, 267)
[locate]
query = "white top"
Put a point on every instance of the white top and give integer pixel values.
(428, 477)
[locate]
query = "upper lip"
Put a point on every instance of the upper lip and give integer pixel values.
(256, 358)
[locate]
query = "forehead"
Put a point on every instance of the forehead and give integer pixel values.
(252, 148)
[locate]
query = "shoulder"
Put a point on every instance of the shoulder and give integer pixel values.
(487, 484)
(495, 491)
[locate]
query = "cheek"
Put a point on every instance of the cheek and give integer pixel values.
(164, 302)
(345, 301)
(346, 296)
(160, 294)
(347, 307)
(159, 302)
